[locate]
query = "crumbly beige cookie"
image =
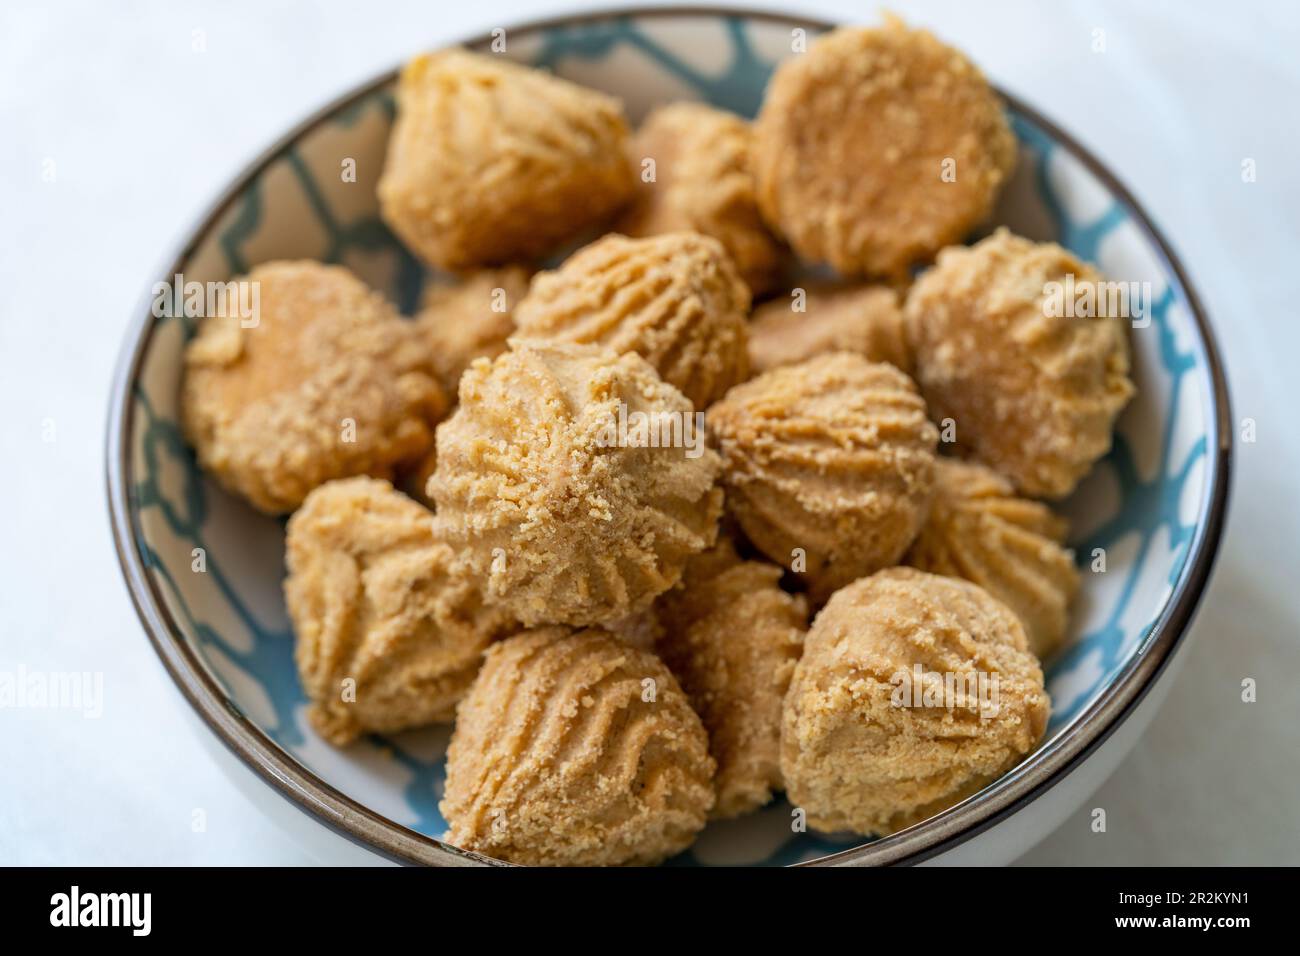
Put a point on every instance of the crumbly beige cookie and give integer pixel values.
(817, 318)
(330, 382)
(676, 300)
(702, 183)
(1012, 547)
(1032, 393)
(566, 509)
(576, 749)
(828, 465)
(490, 162)
(878, 147)
(731, 636)
(867, 747)
(470, 317)
(388, 635)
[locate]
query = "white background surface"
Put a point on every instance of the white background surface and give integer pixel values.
(143, 131)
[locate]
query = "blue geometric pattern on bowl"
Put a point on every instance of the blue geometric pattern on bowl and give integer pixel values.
(1141, 504)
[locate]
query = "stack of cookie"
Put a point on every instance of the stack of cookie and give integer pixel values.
(629, 481)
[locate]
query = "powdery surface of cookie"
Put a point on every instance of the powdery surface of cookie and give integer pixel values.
(859, 752)
(866, 319)
(1033, 395)
(330, 383)
(676, 300)
(565, 520)
(732, 637)
(374, 601)
(980, 530)
(851, 143)
(576, 749)
(702, 183)
(470, 318)
(490, 162)
(829, 462)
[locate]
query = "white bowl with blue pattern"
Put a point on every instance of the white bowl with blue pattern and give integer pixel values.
(1156, 504)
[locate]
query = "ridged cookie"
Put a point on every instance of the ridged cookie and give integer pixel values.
(576, 749)
(557, 502)
(828, 465)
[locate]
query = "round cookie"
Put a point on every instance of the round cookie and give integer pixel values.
(490, 162)
(329, 382)
(565, 509)
(576, 749)
(731, 636)
(1012, 547)
(828, 465)
(675, 299)
(866, 319)
(1033, 394)
(702, 183)
(867, 747)
(877, 147)
(388, 636)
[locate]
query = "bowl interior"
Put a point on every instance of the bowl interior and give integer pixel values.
(1138, 509)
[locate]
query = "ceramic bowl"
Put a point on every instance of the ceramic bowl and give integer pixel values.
(1155, 506)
